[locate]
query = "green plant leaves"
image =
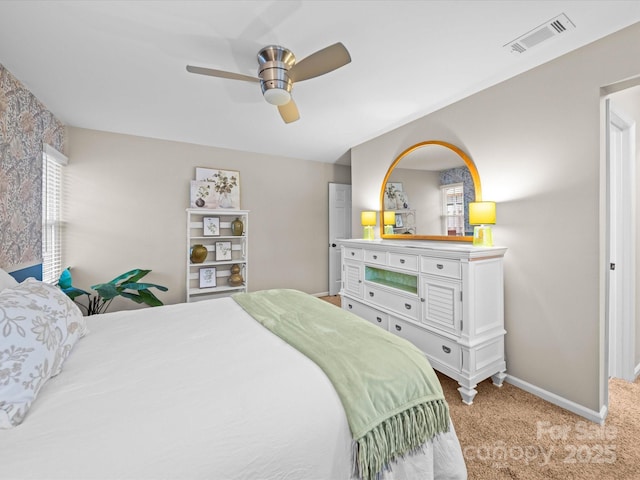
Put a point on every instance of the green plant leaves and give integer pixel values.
(125, 285)
(64, 282)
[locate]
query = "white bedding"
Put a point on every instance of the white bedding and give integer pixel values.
(193, 391)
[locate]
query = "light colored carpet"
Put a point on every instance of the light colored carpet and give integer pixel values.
(510, 434)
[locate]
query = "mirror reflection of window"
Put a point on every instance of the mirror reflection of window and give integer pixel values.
(452, 209)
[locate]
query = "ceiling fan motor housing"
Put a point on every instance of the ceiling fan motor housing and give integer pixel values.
(275, 62)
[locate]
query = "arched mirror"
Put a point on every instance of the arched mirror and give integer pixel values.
(426, 192)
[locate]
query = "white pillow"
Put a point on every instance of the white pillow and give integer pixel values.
(39, 325)
(6, 280)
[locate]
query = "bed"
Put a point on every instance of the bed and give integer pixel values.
(191, 391)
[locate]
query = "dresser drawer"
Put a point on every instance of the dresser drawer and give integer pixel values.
(352, 253)
(371, 314)
(441, 267)
(403, 305)
(405, 261)
(374, 256)
(438, 348)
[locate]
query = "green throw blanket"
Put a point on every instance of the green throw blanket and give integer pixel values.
(391, 395)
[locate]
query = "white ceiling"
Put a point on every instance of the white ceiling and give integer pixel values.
(119, 66)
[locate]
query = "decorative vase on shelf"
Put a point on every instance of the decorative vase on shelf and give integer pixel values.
(198, 253)
(237, 227)
(225, 201)
(235, 279)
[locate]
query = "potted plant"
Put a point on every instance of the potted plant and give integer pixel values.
(125, 285)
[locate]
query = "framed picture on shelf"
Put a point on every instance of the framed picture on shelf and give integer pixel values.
(203, 195)
(391, 192)
(211, 226)
(207, 277)
(402, 200)
(225, 186)
(223, 251)
(399, 223)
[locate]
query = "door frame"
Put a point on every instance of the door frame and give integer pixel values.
(621, 245)
(335, 273)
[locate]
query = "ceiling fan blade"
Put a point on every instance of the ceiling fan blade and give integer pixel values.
(289, 112)
(221, 73)
(321, 62)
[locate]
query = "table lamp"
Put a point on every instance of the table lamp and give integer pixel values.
(368, 220)
(482, 214)
(389, 220)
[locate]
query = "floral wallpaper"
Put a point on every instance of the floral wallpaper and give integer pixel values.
(461, 175)
(25, 124)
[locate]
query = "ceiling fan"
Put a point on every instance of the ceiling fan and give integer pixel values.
(278, 71)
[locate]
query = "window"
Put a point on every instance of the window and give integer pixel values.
(453, 209)
(52, 163)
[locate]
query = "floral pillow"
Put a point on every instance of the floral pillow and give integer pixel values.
(6, 280)
(39, 326)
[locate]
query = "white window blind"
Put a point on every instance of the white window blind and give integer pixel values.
(52, 166)
(453, 208)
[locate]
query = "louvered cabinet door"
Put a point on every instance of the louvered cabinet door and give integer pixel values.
(352, 276)
(442, 304)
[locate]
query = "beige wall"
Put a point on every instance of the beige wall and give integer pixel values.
(127, 197)
(535, 140)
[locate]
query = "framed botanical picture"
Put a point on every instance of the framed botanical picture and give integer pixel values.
(223, 251)
(208, 277)
(399, 222)
(225, 186)
(391, 193)
(203, 195)
(402, 200)
(211, 226)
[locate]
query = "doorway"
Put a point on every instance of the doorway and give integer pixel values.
(621, 160)
(339, 227)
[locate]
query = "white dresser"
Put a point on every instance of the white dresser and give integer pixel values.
(446, 298)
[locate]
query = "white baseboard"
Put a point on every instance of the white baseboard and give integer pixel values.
(592, 415)
(322, 294)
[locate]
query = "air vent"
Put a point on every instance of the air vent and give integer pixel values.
(554, 27)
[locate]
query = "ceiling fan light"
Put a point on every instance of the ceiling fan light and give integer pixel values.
(277, 96)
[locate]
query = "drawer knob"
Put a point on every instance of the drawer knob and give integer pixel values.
(407, 306)
(402, 260)
(375, 257)
(350, 306)
(439, 266)
(446, 349)
(398, 327)
(371, 294)
(353, 253)
(379, 319)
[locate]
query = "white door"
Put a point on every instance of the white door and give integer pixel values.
(339, 227)
(621, 219)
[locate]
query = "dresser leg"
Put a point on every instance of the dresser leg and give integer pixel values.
(467, 392)
(498, 378)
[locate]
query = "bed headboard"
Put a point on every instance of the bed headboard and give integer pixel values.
(34, 271)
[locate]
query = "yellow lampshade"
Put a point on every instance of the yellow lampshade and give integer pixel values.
(482, 213)
(389, 218)
(368, 219)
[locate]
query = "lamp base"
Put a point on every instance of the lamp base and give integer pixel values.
(482, 236)
(388, 229)
(368, 232)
